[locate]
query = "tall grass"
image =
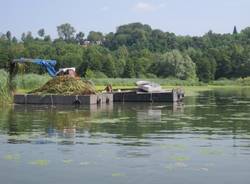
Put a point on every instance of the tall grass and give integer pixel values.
(4, 87)
(132, 81)
(232, 82)
(30, 81)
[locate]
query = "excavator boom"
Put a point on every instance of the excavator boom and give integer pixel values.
(47, 64)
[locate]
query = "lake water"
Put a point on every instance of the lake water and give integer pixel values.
(206, 139)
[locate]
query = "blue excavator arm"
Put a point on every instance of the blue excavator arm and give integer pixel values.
(49, 65)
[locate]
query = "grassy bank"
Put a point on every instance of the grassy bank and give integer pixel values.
(28, 82)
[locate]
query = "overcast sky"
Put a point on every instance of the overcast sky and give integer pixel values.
(183, 17)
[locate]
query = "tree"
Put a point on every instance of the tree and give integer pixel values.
(109, 66)
(129, 71)
(47, 38)
(235, 30)
(174, 64)
(205, 64)
(80, 37)
(23, 37)
(14, 40)
(95, 36)
(137, 50)
(8, 35)
(66, 31)
(41, 32)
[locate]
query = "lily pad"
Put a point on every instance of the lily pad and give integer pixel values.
(118, 174)
(180, 158)
(12, 157)
(209, 151)
(40, 163)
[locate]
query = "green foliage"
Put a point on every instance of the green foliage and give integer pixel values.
(89, 74)
(95, 36)
(174, 64)
(80, 37)
(244, 81)
(94, 74)
(41, 32)
(66, 31)
(135, 50)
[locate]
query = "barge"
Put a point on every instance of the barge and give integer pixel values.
(102, 98)
(140, 96)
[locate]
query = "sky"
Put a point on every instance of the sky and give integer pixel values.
(183, 17)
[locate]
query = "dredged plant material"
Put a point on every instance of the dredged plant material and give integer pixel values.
(66, 85)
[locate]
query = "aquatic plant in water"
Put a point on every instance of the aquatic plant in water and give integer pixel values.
(40, 163)
(12, 157)
(180, 158)
(116, 174)
(209, 151)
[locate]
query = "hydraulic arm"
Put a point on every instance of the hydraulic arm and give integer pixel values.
(47, 64)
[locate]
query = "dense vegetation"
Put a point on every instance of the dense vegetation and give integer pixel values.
(135, 51)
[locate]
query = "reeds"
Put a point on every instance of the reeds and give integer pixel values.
(4, 87)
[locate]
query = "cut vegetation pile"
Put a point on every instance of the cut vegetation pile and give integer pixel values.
(66, 85)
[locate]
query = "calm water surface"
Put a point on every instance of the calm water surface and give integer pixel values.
(204, 140)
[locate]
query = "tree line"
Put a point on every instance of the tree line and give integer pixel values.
(135, 50)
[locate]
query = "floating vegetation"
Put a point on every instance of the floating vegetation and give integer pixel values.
(12, 157)
(118, 174)
(204, 137)
(174, 146)
(180, 158)
(209, 151)
(67, 161)
(66, 85)
(40, 163)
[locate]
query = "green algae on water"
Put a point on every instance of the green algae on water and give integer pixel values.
(12, 157)
(116, 174)
(180, 158)
(209, 151)
(40, 163)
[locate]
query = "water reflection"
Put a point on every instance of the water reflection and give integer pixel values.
(207, 133)
(206, 114)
